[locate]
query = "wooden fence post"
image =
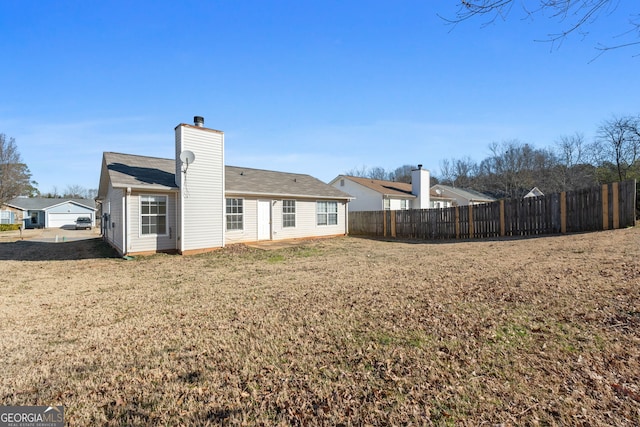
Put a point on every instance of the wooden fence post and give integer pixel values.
(471, 221)
(384, 223)
(615, 207)
(393, 223)
(457, 219)
(563, 212)
(605, 206)
(503, 226)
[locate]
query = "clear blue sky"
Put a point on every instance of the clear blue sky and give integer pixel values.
(317, 87)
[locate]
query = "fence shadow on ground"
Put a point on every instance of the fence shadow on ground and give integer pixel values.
(27, 250)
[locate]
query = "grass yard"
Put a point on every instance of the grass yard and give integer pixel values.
(343, 331)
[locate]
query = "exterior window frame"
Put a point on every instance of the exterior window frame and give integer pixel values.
(234, 214)
(325, 216)
(162, 200)
(289, 213)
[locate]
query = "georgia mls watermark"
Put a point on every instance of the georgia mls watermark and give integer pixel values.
(31, 416)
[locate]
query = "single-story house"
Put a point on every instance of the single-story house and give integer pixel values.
(194, 203)
(376, 194)
(41, 212)
(462, 197)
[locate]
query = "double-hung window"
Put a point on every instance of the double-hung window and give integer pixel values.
(235, 213)
(327, 213)
(288, 213)
(153, 215)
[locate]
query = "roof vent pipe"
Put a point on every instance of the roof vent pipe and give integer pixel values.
(198, 121)
(419, 166)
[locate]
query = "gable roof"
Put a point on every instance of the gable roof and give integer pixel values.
(139, 172)
(471, 195)
(44, 203)
(386, 188)
(535, 192)
(153, 173)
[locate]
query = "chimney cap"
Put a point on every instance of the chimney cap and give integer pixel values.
(198, 121)
(419, 166)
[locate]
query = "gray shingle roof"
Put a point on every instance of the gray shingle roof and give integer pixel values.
(263, 182)
(42, 203)
(126, 170)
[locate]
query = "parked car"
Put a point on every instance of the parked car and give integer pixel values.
(83, 222)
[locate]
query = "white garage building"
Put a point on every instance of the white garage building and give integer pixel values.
(39, 212)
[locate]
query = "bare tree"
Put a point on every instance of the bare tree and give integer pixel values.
(618, 144)
(574, 15)
(402, 174)
(15, 177)
(573, 170)
(447, 174)
(80, 192)
(514, 168)
(377, 173)
(465, 171)
(359, 172)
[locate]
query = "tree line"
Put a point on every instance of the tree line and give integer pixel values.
(513, 168)
(15, 177)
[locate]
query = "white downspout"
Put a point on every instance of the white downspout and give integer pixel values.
(180, 237)
(346, 218)
(125, 229)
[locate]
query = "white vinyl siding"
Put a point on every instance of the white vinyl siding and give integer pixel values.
(249, 231)
(202, 202)
(398, 204)
(139, 242)
(306, 219)
(365, 199)
(115, 211)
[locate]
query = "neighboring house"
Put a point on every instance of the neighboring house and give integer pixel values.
(195, 203)
(375, 194)
(40, 212)
(535, 192)
(439, 201)
(462, 197)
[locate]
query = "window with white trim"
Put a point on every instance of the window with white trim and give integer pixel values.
(404, 204)
(235, 214)
(153, 215)
(327, 213)
(386, 203)
(288, 213)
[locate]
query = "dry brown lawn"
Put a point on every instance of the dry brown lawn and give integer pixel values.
(343, 331)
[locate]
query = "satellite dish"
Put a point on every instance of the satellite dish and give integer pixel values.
(187, 157)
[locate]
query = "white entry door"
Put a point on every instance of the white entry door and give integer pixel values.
(264, 220)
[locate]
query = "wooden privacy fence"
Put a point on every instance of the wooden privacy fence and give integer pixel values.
(607, 207)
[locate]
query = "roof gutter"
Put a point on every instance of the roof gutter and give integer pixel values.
(299, 196)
